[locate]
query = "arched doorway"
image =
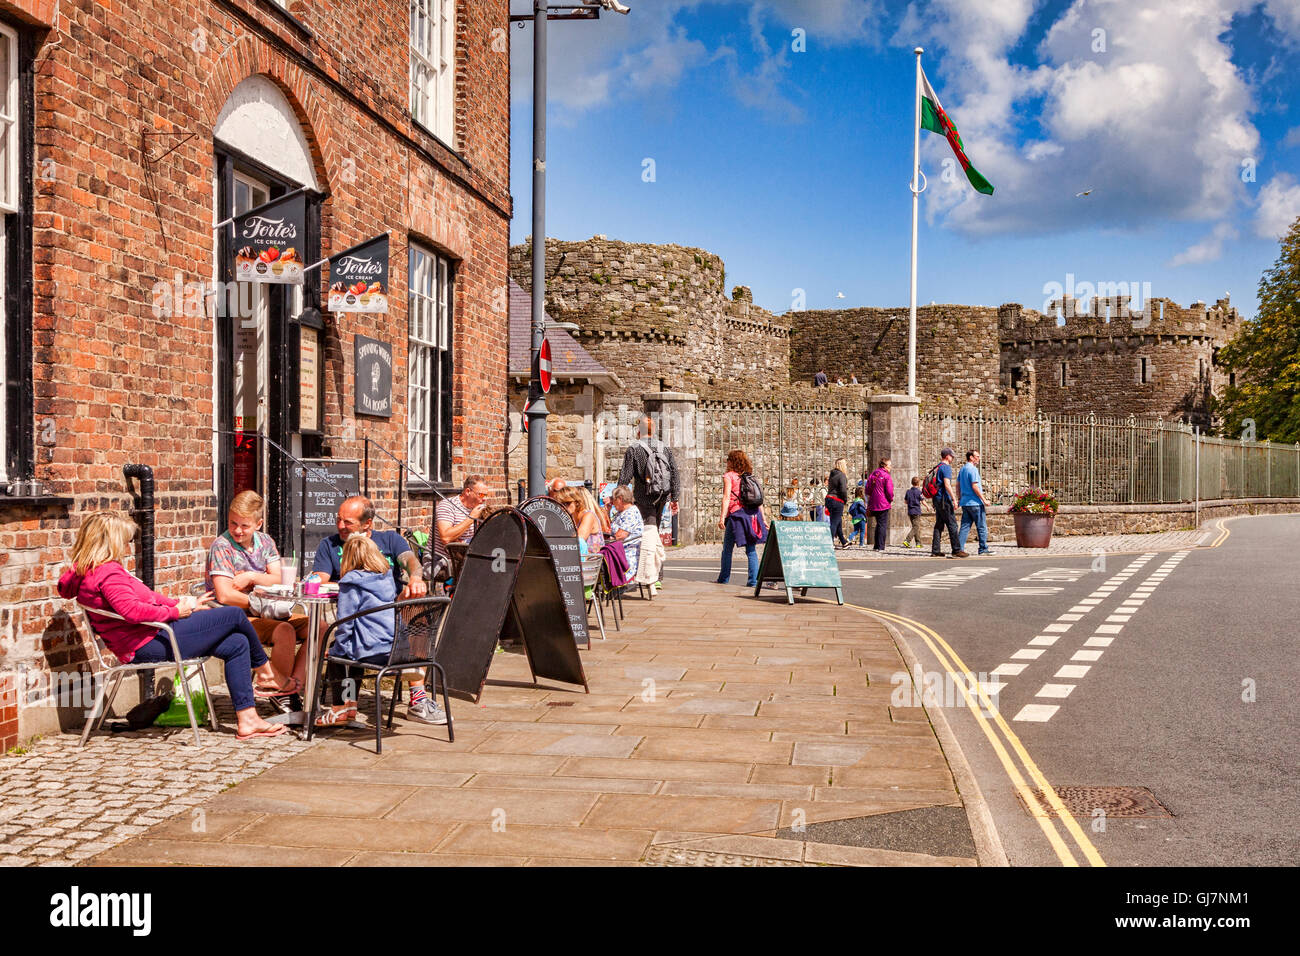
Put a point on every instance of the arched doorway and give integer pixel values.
(267, 336)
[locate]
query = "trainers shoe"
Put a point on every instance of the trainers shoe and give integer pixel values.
(426, 712)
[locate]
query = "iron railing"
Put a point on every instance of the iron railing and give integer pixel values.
(1089, 459)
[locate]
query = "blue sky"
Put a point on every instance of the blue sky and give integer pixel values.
(1182, 116)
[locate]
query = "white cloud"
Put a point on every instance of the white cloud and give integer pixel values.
(1286, 16)
(1292, 138)
(1208, 249)
(1279, 205)
(1151, 112)
(834, 22)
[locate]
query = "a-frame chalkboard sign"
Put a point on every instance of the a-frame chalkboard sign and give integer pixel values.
(802, 555)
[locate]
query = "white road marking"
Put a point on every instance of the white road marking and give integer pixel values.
(1028, 592)
(1040, 713)
(1057, 628)
(1099, 642)
(1069, 617)
(1120, 618)
(1092, 601)
(1027, 654)
(1045, 640)
(1109, 628)
(1082, 608)
(1055, 690)
(1010, 670)
(1071, 671)
(1086, 656)
(943, 580)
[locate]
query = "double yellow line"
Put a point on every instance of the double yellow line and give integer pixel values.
(997, 731)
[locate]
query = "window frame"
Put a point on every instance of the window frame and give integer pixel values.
(430, 365)
(438, 94)
(17, 420)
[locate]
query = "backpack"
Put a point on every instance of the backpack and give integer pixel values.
(872, 481)
(931, 486)
(658, 472)
(751, 492)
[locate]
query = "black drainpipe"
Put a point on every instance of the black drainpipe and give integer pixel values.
(144, 517)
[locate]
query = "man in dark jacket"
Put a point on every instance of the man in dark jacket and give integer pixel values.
(945, 509)
(635, 474)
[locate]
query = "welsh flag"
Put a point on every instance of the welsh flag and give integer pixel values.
(936, 120)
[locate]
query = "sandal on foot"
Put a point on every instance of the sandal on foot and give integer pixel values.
(333, 718)
(273, 731)
(294, 686)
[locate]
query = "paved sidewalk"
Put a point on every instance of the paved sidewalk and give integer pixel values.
(60, 804)
(1061, 544)
(720, 730)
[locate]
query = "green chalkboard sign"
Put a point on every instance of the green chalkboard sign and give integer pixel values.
(802, 555)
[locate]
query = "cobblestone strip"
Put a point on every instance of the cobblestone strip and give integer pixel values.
(60, 804)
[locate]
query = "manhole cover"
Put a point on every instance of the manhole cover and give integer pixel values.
(1112, 801)
(680, 856)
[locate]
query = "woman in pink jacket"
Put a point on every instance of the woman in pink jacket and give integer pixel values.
(880, 495)
(97, 579)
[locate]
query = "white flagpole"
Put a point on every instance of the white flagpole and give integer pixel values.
(916, 196)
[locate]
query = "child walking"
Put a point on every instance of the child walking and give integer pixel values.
(858, 512)
(913, 499)
(365, 582)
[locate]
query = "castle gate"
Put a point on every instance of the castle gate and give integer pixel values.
(788, 446)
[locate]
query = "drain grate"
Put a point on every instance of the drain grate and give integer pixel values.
(1121, 802)
(680, 856)
(559, 703)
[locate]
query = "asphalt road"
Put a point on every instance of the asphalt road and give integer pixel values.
(1189, 689)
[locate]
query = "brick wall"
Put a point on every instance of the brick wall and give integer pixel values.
(116, 211)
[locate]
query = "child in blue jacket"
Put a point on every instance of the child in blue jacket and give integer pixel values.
(366, 582)
(858, 512)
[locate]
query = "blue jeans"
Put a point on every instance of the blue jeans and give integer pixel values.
(751, 555)
(860, 532)
(974, 515)
(223, 632)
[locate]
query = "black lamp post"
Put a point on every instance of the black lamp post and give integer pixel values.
(537, 412)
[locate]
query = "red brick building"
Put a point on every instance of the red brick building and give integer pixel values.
(128, 132)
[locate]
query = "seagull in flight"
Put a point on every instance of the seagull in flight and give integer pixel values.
(1086, 192)
(839, 295)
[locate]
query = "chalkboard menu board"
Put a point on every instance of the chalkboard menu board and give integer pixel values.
(801, 554)
(557, 527)
(329, 481)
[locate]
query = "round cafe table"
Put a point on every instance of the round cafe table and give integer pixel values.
(315, 606)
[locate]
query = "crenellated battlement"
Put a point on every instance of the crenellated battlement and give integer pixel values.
(1112, 317)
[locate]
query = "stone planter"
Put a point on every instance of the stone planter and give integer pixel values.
(1033, 531)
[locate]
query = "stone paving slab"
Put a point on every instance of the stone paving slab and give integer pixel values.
(662, 764)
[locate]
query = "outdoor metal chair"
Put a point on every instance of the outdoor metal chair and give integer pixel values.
(114, 672)
(418, 623)
(605, 594)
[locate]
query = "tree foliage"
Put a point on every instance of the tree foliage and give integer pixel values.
(1265, 355)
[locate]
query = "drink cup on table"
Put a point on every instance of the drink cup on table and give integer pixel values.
(288, 572)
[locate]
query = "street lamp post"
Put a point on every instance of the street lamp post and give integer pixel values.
(537, 412)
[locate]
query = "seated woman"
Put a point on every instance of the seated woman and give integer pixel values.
(97, 579)
(365, 582)
(590, 536)
(241, 558)
(627, 525)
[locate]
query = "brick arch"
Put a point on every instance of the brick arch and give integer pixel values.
(249, 57)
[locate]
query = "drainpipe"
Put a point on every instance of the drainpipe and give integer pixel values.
(144, 517)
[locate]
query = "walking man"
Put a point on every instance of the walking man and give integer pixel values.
(945, 515)
(650, 470)
(974, 506)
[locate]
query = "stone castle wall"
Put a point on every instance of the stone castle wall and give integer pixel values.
(657, 316)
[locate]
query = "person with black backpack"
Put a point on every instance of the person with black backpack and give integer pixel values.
(650, 470)
(938, 488)
(837, 498)
(741, 518)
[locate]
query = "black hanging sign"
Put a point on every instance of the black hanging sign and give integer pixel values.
(269, 241)
(562, 537)
(802, 555)
(359, 277)
(374, 377)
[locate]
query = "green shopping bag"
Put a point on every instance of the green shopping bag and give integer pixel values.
(176, 715)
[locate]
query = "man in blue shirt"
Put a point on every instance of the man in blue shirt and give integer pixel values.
(357, 516)
(945, 510)
(974, 507)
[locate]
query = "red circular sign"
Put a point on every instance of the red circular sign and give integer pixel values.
(544, 365)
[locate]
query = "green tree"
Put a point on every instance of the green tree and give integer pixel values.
(1265, 355)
